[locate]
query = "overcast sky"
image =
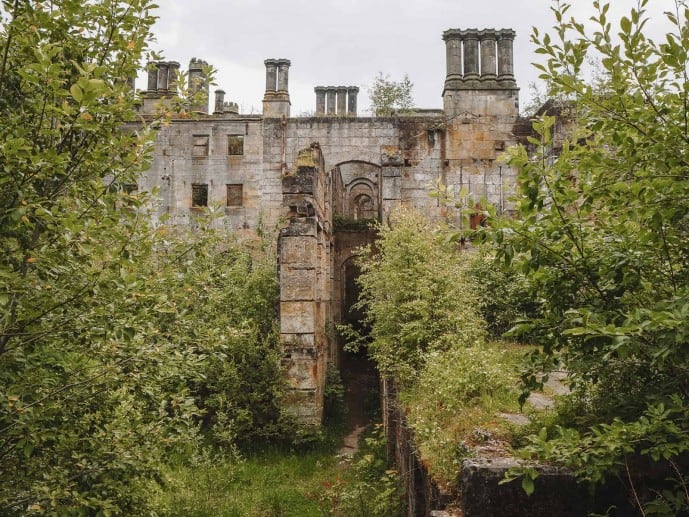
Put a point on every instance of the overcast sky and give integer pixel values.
(347, 42)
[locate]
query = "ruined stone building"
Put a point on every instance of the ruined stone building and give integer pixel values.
(315, 177)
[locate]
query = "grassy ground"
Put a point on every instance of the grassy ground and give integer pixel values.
(267, 484)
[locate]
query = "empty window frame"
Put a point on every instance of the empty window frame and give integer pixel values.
(235, 194)
(200, 147)
(199, 195)
(235, 145)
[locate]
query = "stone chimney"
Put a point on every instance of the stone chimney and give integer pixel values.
(480, 74)
(352, 93)
(198, 84)
(219, 102)
(336, 101)
(506, 58)
(276, 101)
(320, 100)
(331, 100)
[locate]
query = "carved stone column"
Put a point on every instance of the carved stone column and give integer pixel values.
(283, 74)
(162, 77)
(173, 71)
(453, 52)
(330, 97)
(152, 78)
(219, 102)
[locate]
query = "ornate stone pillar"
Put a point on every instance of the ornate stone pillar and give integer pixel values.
(342, 100)
(487, 38)
(352, 93)
(320, 100)
(505, 55)
(453, 53)
(471, 59)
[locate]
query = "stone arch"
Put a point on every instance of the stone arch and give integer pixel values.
(359, 190)
(362, 199)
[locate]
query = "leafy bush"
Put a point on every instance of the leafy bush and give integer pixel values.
(416, 297)
(108, 359)
(602, 233)
(452, 406)
(504, 297)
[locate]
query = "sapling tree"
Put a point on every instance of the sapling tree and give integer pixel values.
(388, 96)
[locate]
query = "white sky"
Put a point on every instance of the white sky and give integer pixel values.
(347, 42)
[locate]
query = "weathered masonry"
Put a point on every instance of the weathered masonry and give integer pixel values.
(315, 177)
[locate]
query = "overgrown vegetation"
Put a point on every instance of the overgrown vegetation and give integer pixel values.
(428, 335)
(118, 340)
(601, 236)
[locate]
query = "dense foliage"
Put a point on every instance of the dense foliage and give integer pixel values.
(415, 298)
(118, 340)
(601, 235)
(428, 337)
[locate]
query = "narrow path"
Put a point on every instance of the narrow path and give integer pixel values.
(360, 379)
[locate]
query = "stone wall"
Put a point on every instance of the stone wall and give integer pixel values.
(274, 173)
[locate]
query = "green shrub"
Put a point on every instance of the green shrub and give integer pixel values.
(453, 404)
(416, 296)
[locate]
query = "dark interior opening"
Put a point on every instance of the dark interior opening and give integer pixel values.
(359, 374)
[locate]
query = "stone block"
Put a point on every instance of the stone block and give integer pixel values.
(297, 284)
(297, 317)
(557, 493)
(391, 187)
